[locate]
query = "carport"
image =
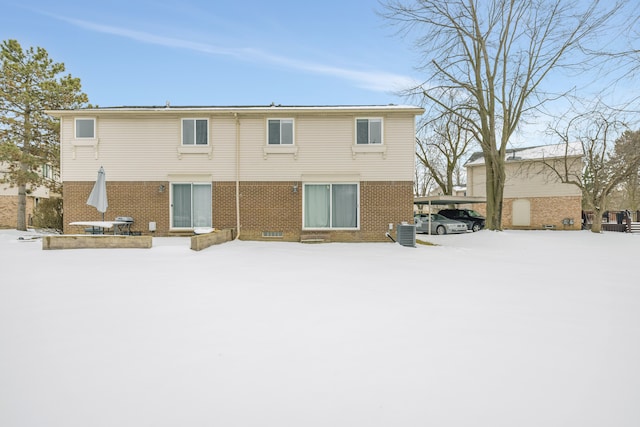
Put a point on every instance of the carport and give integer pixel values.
(446, 200)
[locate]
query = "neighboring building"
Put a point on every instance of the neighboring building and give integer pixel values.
(340, 173)
(9, 200)
(533, 196)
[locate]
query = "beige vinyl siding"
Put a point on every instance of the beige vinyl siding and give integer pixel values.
(144, 147)
(524, 179)
(476, 181)
(125, 148)
(326, 144)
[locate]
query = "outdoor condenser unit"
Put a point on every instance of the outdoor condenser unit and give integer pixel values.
(406, 235)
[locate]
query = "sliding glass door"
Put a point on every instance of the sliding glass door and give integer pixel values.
(190, 205)
(331, 206)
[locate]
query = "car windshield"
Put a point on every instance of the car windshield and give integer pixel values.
(474, 213)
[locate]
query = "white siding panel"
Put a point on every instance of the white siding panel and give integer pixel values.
(524, 179)
(476, 181)
(145, 148)
(532, 179)
(326, 144)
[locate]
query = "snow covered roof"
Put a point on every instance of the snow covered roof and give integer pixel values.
(533, 153)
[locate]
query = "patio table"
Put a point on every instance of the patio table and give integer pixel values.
(102, 225)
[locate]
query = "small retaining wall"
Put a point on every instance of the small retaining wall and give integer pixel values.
(203, 241)
(95, 242)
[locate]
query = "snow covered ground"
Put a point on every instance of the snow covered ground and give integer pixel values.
(516, 328)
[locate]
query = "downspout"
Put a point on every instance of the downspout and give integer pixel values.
(235, 115)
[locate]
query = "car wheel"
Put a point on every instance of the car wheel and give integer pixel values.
(441, 230)
(476, 227)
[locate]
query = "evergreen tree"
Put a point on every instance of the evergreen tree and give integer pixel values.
(30, 84)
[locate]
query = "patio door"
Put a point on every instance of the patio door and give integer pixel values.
(190, 205)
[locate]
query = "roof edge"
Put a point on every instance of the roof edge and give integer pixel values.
(237, 109)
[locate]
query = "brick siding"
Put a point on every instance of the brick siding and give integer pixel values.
(264, 207)
(545, 211)
(9, 211)
(142, 201)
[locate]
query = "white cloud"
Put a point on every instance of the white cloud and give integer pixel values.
(378, 81)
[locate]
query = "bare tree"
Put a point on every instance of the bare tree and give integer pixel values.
(423, 182)
(494, 55)
(608, 161)
(441, 145)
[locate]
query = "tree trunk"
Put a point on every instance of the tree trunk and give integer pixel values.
(596, 225)
(22, 208)
(495, 191)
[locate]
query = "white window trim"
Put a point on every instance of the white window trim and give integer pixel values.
(331, 183)
(280, 149)
(195, 149)
(293, 131)
(355, 124)
(85, 141)
(192, 183)
(182, 144)
(85, 138)
(369, 148)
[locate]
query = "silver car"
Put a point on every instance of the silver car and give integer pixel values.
(439, 224)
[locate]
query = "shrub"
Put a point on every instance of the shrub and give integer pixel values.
(48, 214)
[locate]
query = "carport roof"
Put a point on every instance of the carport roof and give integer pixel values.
(447, 200)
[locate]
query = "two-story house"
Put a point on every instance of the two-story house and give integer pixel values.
(338, 173)
(9, 198)
(534, 197)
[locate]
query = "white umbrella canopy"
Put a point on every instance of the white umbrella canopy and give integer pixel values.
(98, 196)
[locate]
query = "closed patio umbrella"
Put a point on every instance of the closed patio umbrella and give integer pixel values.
(98, 196)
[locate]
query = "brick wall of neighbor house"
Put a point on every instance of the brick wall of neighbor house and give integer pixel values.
(264, 207)
(9, 211)
(544, 211)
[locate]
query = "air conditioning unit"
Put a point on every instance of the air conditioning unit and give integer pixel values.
(406, 235)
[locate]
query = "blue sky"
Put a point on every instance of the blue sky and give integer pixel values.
(222, 53)
(141, 53)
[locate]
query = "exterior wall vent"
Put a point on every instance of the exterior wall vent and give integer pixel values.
(406, 235)
(272, 234)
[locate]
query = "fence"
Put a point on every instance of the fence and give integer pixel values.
(621, 221)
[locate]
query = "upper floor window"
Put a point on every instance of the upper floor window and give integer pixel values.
(280, 131)
(195, 132)
(85, 128)
(368, 131)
